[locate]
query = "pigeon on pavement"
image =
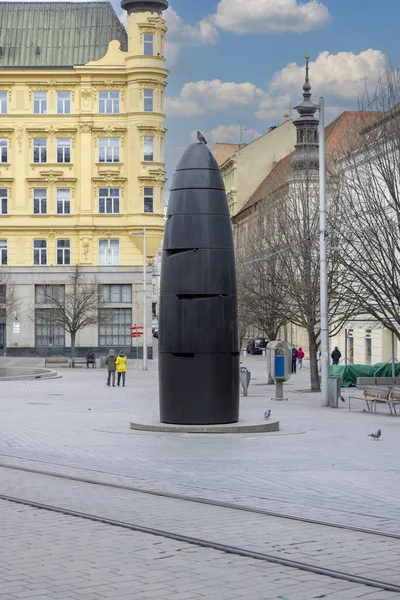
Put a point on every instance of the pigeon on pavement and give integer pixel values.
(201, 138)
(375, 436)
(267, 414)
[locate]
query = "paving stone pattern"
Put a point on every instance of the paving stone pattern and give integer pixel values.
(332, 548)
(45, 556)
(321, 464)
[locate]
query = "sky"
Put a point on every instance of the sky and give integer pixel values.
(237, 66)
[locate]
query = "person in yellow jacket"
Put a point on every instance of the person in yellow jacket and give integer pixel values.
(121, 368)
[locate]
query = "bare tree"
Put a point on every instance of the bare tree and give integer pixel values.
(9, 302)
(295, 242)
(78, 305)
(282, 278)
(368, 230)
(260, 298)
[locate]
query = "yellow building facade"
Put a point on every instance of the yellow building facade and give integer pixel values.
(82, 174)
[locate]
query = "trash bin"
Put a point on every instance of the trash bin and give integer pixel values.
(245, 377)
(334, 391)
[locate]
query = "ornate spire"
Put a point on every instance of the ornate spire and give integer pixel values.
(306, 156)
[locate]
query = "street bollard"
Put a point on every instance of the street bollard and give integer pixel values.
(244, 352)
(245, 377)
(264, 352)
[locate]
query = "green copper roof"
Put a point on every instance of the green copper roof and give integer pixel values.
(56, 34)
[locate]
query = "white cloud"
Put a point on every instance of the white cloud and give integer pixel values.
(230, 134)
(272, 107)
(200, 97)
(270, 16)
(340, 78)
(180, 34)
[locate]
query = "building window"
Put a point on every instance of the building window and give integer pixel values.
(108, 252)
(63, 252)
(46, 294)
(40, 103)
(40, 252)
(148, 148)
(3, 103)
(63, 201)
(148, 44)
(109, 102)
(116, 293)
(148, 100)
(114, 326)
(4, 201)
(109, 150)
(3, 252)
(48, 331)
(39, 150)
(3, 150)
(148, 199)
(63, 150)
(109, 201)
(161, 150)
(63, 103)
(40, 201)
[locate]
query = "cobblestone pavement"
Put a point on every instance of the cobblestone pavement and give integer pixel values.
(320, 464)
(45, 556)
(290, 539)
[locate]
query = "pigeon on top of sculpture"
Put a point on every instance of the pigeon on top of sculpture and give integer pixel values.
(201, 138)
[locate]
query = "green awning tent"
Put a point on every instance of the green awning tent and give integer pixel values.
(349, 373)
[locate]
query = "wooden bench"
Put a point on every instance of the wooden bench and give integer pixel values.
(80, 361)
(374, 395)
(62, 361)
(394, 400)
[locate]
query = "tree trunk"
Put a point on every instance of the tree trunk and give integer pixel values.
(73, 336)
(314, 375)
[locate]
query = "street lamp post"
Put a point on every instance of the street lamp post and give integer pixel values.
(144, 296)
(144, 300)
(323, 259)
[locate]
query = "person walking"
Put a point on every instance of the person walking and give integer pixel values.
(121, 368)
(319, 363)
(300, 356)
(294, 359)
(111, 367)
(336, 355)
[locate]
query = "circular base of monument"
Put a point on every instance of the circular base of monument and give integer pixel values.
(242, 426)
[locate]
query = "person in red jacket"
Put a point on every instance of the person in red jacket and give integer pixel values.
(300, 356)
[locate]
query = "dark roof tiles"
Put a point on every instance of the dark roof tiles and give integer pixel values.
(56, 34)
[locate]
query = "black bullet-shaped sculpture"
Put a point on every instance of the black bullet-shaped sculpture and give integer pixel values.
(198, 328)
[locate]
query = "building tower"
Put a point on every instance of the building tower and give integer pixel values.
(146, 74)
(306, 156)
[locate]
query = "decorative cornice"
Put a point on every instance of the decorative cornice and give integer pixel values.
(109, 177)
(86, 127)
(108, 129)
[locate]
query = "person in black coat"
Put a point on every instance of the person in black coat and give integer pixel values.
(336, 354)
(294, 359)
